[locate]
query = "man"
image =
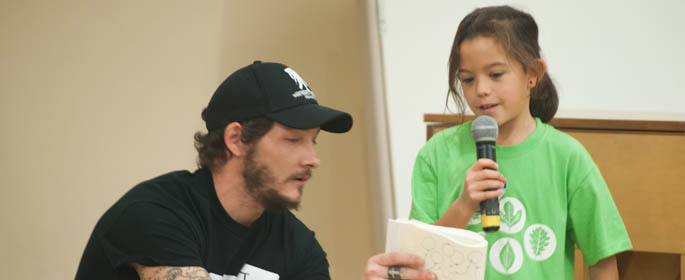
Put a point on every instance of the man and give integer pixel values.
(230, 218)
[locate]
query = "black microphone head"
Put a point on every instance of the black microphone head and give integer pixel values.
(484, 129)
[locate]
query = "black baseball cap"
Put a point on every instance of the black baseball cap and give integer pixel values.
(274, 91)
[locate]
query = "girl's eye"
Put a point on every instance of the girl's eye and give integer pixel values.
(497, 75)
(466, 80)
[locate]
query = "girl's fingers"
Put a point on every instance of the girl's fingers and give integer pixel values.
(485, 163)
(481, 196)
(486, 174)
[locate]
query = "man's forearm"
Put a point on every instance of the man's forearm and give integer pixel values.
(171, 272)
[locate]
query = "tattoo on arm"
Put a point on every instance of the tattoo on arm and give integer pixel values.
(171, 272)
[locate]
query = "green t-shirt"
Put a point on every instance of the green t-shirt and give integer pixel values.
(555, 198)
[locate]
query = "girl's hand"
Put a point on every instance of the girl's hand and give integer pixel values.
(481, 182)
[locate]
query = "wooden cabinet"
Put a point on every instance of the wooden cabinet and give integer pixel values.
(643, 163)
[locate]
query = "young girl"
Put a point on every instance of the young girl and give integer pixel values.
(555, 195)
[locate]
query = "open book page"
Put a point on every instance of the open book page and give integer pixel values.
(451, 253)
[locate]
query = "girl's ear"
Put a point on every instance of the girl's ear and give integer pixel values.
(232, 135)
(535, 75)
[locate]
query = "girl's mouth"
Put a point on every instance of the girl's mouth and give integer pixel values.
(487, 107)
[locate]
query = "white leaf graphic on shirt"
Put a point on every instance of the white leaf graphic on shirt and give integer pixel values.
(506, 256)
(510, 216)
(539, 239)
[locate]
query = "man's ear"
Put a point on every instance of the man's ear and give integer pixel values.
(232, 135)
(535, 75)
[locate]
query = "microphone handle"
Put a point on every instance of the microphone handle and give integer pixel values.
(489, 209)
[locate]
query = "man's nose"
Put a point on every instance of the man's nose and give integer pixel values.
(312, 159)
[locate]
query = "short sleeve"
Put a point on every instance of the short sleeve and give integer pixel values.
(151, 235)
(424, 191)
(594, 221)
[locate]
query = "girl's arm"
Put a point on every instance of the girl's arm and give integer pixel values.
(458, 215)
(604, 269)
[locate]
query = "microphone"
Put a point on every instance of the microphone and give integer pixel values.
(484, 131)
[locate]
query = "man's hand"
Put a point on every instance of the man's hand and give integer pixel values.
(171, 272)
(377, 267)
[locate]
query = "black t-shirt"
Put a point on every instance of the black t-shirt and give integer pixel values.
(177, 220)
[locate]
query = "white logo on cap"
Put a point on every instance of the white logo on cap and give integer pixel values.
(306, 93)
(304, 88)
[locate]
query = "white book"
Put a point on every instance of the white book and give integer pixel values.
(450, 253)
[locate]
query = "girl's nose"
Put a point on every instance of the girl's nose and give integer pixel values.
(482, 87)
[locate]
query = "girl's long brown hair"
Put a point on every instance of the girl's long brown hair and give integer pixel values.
(517, 33)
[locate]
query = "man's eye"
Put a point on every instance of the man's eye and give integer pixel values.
(293, 140)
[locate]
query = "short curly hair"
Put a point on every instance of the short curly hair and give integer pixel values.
(211, 147)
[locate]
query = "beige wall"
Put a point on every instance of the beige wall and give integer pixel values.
(99, 95)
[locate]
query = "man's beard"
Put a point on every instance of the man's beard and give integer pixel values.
(258, 178)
